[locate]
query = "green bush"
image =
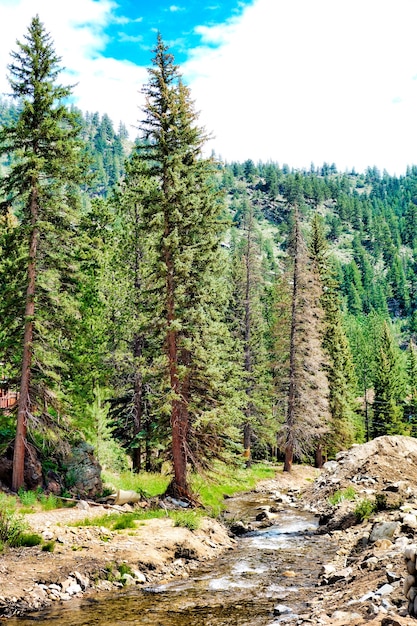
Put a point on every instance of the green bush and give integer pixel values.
(49, 546)
(49, 502)
(364, 509)
(29, 540)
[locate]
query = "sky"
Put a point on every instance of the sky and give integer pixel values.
(290, 81)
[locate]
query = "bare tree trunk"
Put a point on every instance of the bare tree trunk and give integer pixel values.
(24, 393)
(319, 456)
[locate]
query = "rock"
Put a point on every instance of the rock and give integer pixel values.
(410, 553)
(345, 616)
(282, 609)
(383, 530)
(409, 581)
(84, 470)
(47, 535)
(83, 505)
(239, 528)
(393, 576)
(385, 590)
(289, 574)
(342, 574)
(371, 563)
(410, 520)
(330, 467)
(82, 580)
(128, 579)
(140, 576)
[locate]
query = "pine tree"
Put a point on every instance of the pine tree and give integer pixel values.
(183, 217)
(389, 389)
(340, 371)
(250, 329)
(41, 184)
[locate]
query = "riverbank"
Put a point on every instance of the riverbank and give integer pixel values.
(361, 583)
(90, 559)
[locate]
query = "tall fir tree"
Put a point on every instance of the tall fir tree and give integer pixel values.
(183, 216)
(389, 384)
(344, 425)
(41, 184)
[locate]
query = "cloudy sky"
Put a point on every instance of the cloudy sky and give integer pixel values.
(292, 81)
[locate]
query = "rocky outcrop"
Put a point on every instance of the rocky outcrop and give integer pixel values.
(83, 471)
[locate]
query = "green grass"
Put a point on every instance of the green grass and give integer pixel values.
(149, 483)
(339, 496)
(186, 519)
(27, 498)
(228, 481)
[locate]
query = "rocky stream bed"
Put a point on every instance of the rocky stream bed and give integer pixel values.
(284, 556)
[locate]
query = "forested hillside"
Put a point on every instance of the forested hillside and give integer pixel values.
(165, 306)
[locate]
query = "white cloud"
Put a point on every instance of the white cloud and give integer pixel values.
(297, 81)
(293, 81)
(77, 28)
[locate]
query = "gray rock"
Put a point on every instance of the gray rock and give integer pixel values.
(383, 530)
(392, 576)
(282, 609)
(385, 590)
(82, 580)
(342, 574)
(410, 520)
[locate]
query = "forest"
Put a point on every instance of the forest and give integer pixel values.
(170, 308)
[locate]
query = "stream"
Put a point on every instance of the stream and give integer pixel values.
(273, 566)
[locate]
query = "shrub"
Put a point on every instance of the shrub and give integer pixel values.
(49, 546)
(364, 509)
(48, 502)
(29, 540)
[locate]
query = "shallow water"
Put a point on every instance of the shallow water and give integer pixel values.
(240, 588)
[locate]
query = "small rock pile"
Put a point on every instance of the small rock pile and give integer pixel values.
(410, 581)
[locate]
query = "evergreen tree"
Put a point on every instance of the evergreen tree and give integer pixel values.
(250, 330)
(183, 218)
(340, 371)
(389, 389)
(41, 185)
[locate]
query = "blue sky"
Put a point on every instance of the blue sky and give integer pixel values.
(132, 35)
(289, 81)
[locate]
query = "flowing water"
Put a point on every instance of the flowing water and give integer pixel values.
(275, 565)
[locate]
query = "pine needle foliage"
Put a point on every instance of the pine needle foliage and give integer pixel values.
(182, 214)
(40, 306)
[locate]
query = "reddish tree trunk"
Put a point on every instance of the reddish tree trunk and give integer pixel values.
(24, 394)
(179, 410)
